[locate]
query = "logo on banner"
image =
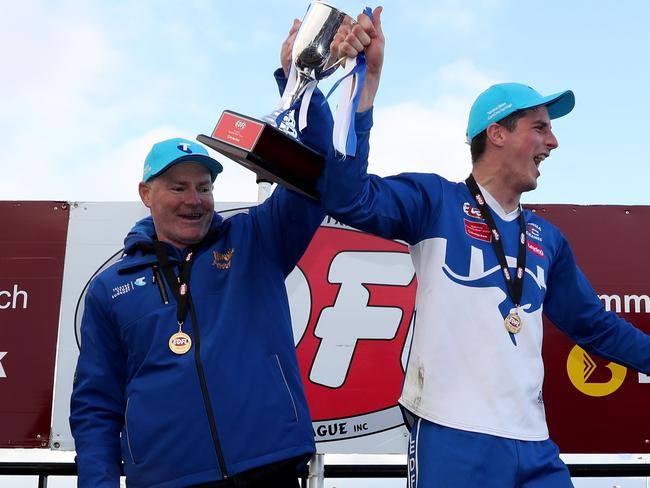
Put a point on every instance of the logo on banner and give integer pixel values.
(352, 304)
(581, 367)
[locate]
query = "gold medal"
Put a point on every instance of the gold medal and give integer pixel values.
(513, 322)
(180, 343)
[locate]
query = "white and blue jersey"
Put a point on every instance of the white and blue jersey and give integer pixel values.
(465, 370)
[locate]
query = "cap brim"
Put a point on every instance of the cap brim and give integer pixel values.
(559, 104)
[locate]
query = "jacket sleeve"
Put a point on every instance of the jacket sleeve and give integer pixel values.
(97, 402)
(394, 207)
(574, 307)
(287, 220)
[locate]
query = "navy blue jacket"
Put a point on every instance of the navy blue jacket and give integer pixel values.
(235, 401)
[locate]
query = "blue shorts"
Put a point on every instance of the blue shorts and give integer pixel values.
(440, 456)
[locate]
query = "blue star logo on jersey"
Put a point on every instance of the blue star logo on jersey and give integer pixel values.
(479, 277)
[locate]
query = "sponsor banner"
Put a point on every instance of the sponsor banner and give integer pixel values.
(593, 405)
(352, 305)
(32, 246)
(95, 235)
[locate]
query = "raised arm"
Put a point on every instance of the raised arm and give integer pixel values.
(390, 207)
(365, 36)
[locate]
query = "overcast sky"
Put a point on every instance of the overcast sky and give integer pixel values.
(88, 87)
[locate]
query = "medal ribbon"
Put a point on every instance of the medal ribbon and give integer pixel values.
(179, 284)
(516, 284)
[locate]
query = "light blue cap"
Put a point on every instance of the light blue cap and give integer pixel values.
(165, 154)
(499, 101)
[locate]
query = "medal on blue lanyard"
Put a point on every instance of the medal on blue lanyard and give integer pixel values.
(512, 322)
(179, 342)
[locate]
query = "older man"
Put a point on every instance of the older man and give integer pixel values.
(188, 373)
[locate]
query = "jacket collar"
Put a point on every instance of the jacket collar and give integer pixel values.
(138, 244)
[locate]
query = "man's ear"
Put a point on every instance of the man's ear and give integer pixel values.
(495, 134)
(144, 189)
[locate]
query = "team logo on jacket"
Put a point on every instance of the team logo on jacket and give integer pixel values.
(472, 211)
(534, 231)
(127, 287)
(352, 300)
(222, 260)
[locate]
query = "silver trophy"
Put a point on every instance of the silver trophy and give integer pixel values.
(312, 59)
(273, 150)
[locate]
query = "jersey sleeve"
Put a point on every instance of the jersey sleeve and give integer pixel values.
(573, 306)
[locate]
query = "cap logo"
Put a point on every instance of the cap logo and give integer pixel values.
(184, 147)
(502, 107)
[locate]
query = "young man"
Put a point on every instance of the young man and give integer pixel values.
(473, 385)
(191, 377)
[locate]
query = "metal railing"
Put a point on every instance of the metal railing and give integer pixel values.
(44, 470)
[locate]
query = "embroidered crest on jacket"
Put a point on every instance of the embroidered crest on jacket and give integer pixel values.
(222, 260)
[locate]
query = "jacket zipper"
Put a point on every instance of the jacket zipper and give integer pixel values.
(204, 390)
(286, 385)
(157, 279)
(126, 428)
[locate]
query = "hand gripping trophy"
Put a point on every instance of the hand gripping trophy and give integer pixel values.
(271, 147)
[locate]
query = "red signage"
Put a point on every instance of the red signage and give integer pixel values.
(352, 299)
(238, 130)
(362, 292)
(32, 248)
(592, 405)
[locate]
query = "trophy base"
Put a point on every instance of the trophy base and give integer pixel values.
(267, 151)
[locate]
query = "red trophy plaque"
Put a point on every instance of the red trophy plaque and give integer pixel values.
(267, 151)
